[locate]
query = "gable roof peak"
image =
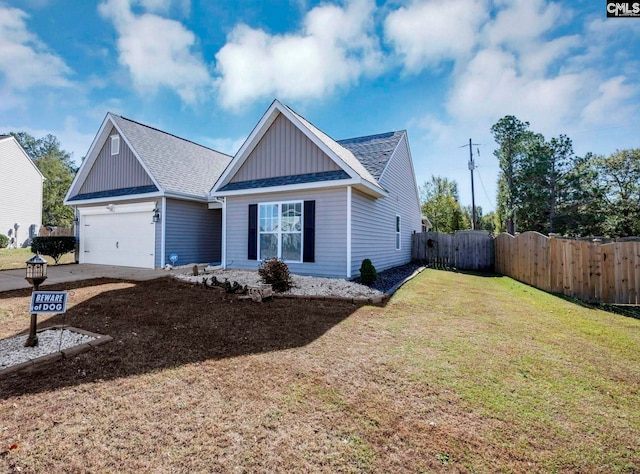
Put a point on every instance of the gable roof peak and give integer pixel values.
(165, 133)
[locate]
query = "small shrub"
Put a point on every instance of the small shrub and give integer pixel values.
(275, 272)
(54, 247)
(368, 274)
(4, 241)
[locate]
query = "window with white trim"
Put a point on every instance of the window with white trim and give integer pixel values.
(397, 232)
(280, 231)
(115, 144)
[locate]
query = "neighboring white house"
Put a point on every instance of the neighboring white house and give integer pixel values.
(20, 193)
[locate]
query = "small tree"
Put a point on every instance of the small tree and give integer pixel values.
(368, 274)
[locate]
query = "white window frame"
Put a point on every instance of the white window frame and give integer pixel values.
(280, 232)
(398, 233)
(115, 145)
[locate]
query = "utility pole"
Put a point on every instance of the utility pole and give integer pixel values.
(472, 166)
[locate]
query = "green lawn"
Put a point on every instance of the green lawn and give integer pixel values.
(16, 258)
(456, 373)
(561, 380)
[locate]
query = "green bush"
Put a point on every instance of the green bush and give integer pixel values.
(368, 274)
(54, 247)
(4, 241)
(275, 272)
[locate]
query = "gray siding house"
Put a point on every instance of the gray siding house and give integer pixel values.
(141, 195)
(20, 193)
(320, 205)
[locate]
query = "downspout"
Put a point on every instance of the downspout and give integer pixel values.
(76, 233)
(223, 257)
(348, 232)
(224, 233)
(163, 232)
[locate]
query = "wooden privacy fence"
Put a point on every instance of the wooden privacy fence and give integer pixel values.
(464, 250)
(55, 231)
(590, 271)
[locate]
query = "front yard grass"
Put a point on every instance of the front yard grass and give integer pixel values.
(457, 373)
(11, 259)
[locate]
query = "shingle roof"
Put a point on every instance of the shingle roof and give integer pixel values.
(284, 180)
(177, 165)
(373, 151)
(115, 192)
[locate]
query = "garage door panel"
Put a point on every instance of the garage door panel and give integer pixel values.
(126, 239)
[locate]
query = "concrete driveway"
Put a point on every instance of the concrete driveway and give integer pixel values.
(14, 279)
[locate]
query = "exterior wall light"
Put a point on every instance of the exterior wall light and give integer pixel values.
(36, 274)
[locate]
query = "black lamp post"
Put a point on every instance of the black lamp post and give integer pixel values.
(36, 274)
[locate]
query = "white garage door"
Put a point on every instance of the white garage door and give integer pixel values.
(118, 238)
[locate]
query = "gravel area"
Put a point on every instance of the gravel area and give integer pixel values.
(315, 286)
(302, 285)
(12, 350)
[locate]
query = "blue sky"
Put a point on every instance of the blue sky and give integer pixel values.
(445, 71)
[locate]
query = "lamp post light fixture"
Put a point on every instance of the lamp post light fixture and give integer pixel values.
(36, 274)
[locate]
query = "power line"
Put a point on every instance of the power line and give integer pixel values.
(483, 188)
(472, 166)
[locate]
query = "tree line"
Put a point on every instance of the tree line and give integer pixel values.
(543, 186)
(57, 167)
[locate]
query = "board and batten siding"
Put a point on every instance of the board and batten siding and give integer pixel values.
(373, 221)
(330, 229)
(20, 192)
(192, 231)
(115, 171)
(284, 151)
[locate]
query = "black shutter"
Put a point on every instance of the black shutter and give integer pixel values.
(309, 230)
(252, 251)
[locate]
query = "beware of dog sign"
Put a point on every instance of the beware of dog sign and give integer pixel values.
(48, 302)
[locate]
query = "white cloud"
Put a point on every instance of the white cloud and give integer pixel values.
(426, 32)
(611, 104)
(536, 58)
(24, 60)
(492, 86)
(156, 6)
(157, 51)
(335, 47)
(230, 146)
(522, 21)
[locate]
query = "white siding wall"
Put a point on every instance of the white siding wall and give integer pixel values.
(373, 221)
(20, 192)
(284, 151)
(331, 231)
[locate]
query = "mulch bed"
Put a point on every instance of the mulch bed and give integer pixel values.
(387, 279)
(167, 323)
